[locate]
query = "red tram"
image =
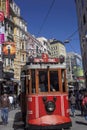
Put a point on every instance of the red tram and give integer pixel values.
(44, 94)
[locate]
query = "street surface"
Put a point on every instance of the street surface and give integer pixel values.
(78, 122)
(15, 123)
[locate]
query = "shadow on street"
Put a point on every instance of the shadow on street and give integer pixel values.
(18, 124)
(81, 123)
(0, 122)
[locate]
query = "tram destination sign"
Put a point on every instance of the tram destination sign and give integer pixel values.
(51, 60)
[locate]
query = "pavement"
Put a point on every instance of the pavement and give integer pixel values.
(14, 121)
(78, 121)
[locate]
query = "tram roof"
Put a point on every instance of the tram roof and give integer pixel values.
(45, 62)
(44, 66)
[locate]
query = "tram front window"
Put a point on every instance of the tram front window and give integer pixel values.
(43, 81)
(52, 84)
(54, 81)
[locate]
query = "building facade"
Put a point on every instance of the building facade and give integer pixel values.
(75, 73)
(81, 8)
(45, 45)
(57, 48)
(15, 29)
(16, 43)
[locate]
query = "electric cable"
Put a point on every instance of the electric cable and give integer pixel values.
(50, 8)
(69, 38)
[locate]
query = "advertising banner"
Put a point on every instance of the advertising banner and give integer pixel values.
(1, 38)
(8, 51)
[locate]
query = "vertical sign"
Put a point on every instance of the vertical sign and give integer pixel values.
(1, 16)
(7, 8)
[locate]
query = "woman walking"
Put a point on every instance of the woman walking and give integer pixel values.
(4, 101)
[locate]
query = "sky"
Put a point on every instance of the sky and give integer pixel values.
(52, 19)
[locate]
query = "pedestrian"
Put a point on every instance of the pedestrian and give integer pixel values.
(4, 102)
(84, 103)
(72, 104)
(81, 96)
(11, 99)
(14, 100)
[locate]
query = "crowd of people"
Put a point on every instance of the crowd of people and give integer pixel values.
(78, 100)
(8, 102)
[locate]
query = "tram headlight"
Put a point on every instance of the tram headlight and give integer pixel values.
(50, 106)
(44, 99)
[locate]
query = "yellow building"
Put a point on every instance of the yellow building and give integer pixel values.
(20, 43)
(57, 48)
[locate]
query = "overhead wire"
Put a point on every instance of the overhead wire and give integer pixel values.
(69, 38)
(50, 8)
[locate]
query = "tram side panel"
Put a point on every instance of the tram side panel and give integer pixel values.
(66, 106)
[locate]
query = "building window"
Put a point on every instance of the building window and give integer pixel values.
(22, 45)
(84, 19)
(22, 58)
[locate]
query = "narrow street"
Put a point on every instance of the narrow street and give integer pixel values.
(15, 123)
(78, 122)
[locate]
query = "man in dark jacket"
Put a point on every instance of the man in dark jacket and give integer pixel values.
(4, 103)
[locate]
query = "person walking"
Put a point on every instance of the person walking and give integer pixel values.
(84, 103)
(11, 101)
(4, 102)
(81, 96)
(72, 104)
